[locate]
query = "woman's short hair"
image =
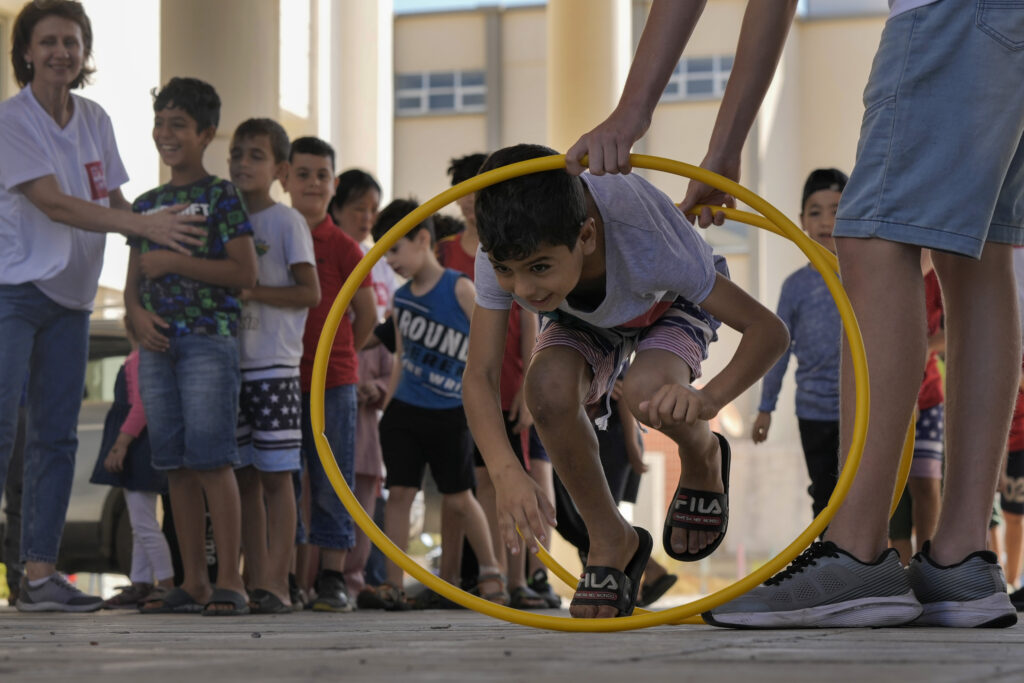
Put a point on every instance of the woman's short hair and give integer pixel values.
(21, 36)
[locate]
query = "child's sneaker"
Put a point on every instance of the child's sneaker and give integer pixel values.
(57, 594)
(969, 594)
(825, 587)
(1017, 599)
(331, 593)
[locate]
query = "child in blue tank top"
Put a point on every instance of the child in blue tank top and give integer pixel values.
(424, 423)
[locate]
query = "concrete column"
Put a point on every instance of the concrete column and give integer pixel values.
(588, 45)
(362, 82)
(231, 44)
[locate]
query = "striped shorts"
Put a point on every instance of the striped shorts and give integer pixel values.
(685, 330)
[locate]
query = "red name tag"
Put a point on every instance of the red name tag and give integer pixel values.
(97, 180)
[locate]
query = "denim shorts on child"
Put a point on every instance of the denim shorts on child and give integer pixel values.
(940, 162)
(684, 329)
(330, 525)
(190, 393)
(269, 430)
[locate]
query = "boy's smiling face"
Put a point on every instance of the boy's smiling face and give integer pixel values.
(547, 276)
(178, 139)
(252, 166)
(310, 182)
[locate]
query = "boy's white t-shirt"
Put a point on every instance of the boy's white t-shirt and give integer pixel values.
(272, 335)
(62, 261)
(652, 254)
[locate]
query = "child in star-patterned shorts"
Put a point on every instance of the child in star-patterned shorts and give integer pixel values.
(272, 326)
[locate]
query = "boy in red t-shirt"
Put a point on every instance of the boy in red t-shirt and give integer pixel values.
(310, 183)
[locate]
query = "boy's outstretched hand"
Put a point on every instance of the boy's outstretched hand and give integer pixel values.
(675, 404)
(521, 503)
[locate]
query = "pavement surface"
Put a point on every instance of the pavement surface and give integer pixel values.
(464, 646)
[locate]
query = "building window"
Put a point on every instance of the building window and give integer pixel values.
(698, 78)
(440, 92)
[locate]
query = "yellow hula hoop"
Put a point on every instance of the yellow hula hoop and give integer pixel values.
(676, 614)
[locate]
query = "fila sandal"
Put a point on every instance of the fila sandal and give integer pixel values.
(700, 511)
(608, 586)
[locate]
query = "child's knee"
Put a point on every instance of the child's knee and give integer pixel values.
(276, 482)
(457, 502)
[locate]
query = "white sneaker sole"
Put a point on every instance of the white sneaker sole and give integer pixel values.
(995, 611)
(895, 610)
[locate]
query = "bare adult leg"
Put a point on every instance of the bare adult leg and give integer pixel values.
(894, 335)
(983, 369)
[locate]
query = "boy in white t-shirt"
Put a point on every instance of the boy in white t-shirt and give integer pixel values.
(271, 328)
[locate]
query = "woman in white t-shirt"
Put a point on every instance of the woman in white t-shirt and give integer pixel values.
(59, 177)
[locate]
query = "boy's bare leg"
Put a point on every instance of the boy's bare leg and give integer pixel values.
(699, 451)
(221, 490)
(453, 537)
(186, 493)
(983, 359)
(396, 526)
(473, 520)
(280, 532)
(926, 493)
(556, 385)
(485, 496)
(876, 271)
(355, 562)
(254, 526)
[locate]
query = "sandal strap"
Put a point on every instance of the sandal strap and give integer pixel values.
(699, 510)
(604, 586)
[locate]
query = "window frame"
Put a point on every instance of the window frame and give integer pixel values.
(459, 91)
(679, 88)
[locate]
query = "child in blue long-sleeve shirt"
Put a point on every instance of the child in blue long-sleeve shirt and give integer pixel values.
(815, 330)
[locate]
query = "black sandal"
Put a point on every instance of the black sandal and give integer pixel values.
(699, 511)
(609, 586)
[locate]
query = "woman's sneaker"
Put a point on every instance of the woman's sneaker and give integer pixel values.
(969, 594)
(57, 594)
(825, 587)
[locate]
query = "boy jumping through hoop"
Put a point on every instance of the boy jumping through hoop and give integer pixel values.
(614, 268)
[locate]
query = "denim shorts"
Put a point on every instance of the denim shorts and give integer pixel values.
(190, 393)
(940, 162)
(330, 525)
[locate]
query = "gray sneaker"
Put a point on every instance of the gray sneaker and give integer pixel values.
(56, 595)
(970, 594)
(825, 587)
